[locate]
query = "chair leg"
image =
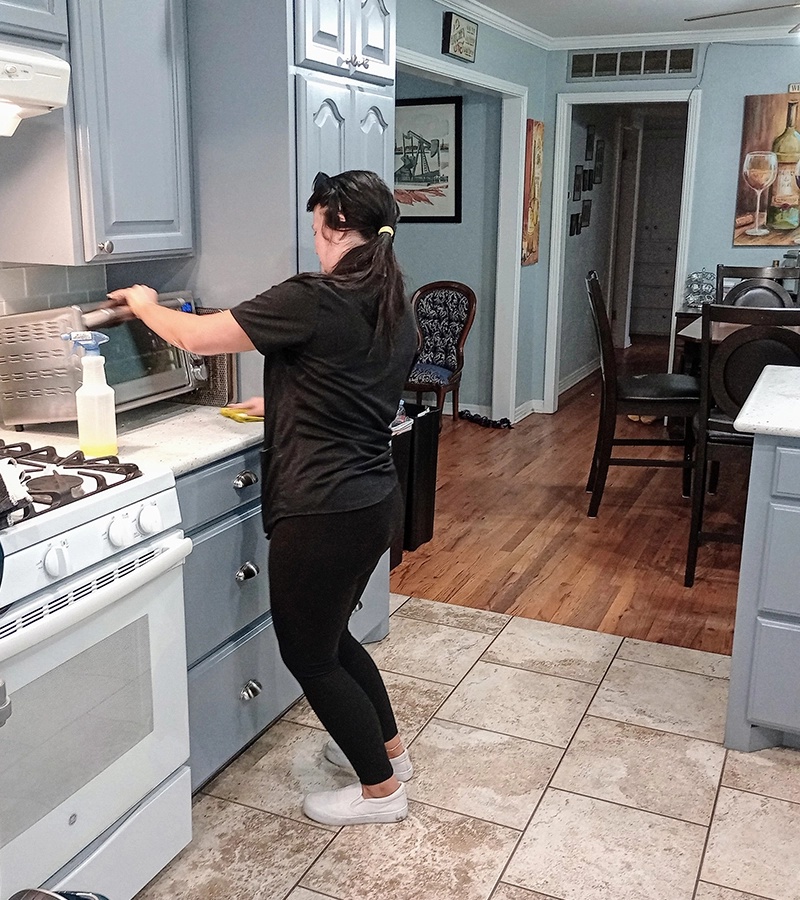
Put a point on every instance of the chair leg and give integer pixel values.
(455, 404)
(593, 469)
(605, 444)
(696, 524)
(419, 398)
(713, 477)
(688, 452)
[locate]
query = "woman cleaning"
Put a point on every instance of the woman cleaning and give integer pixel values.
(337, 348)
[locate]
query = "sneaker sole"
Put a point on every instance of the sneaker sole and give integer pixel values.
(386, 818)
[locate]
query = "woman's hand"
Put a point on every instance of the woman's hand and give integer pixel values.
(136, 298)
(253, 407)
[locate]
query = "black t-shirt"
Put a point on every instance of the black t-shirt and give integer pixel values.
(330, 393)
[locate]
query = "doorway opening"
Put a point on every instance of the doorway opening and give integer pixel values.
(565, 292)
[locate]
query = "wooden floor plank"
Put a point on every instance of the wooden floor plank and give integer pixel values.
(512, 535)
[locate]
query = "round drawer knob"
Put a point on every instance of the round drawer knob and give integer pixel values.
(251, 690)
(248, 570)
(105, 247)
(245, 479)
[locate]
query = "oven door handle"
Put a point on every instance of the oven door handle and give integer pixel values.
(69, 616)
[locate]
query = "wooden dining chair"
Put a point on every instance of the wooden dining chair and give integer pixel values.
(654, 394)
(728, 370)
(776, 274)
(444, 311)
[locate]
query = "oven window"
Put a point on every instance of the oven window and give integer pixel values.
(69, 725)
(133, 351)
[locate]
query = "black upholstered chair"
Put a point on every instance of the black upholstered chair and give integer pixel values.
(728, 370)
(444, 311)
(657, 394)
(761, 286)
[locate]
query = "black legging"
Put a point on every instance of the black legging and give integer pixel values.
(319, 566)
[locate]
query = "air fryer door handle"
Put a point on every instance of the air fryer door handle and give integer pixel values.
(5, 704)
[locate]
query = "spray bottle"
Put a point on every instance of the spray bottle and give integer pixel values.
(97, 426)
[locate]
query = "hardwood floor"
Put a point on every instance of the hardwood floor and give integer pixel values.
(511, 531)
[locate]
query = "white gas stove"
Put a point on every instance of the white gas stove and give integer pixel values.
(94, 788)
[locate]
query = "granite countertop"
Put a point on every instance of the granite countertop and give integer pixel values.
(176, 435)
(773, 406)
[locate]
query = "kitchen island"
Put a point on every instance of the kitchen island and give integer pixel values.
(764, 700)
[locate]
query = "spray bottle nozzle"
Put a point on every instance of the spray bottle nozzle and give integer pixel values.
(89, 340)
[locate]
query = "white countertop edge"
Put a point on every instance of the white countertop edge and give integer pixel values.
(773, 406)
(173, 435)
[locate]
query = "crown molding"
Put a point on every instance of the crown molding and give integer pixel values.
(478, 12)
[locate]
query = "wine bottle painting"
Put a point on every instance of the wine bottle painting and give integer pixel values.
(768, 196)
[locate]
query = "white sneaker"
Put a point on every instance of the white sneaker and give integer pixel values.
(401, 765)
(347, 806)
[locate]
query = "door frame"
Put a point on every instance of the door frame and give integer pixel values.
(561, 185)
(514, 110)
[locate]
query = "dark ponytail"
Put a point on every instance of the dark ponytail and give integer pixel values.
(360, 201)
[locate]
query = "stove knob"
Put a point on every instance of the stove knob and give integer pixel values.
(120, 533)
(57, 562)
(149, 520)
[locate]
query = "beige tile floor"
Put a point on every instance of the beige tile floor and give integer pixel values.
(551, 764)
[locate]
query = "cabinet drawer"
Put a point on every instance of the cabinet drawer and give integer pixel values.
(34, 18)
(217, 604)
(787, 473)
(218, 489)
(221, 722)
(780, 569)
(774, 698)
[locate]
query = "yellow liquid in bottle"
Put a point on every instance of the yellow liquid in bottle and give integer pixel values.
(99, 449)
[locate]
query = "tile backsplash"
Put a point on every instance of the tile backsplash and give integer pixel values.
(24, 288)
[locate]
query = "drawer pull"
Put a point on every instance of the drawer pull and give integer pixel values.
(250, 691)
(359, 605)
(248, 570)
(245, 479)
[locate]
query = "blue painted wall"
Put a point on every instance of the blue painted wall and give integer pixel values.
(463, 252)
(419, 28)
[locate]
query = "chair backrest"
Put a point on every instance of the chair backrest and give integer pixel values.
(608, 360)
(740, 273)
(730, 368)
(444, 311)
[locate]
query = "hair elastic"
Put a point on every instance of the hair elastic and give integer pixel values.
(386, 229)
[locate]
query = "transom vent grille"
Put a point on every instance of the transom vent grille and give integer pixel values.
(655, 62)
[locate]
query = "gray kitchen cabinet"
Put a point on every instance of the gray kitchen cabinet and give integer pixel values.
(764, 698)
(238, 684)
(34, 18)
(109, 177)
(354, 38)
(340, 125)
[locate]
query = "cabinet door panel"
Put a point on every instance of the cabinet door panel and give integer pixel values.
(35, 17)
(323, 113)
(372, 135)
(373, 37)
(781, 567)
(774, 700)
(135, 182)
(321, 33)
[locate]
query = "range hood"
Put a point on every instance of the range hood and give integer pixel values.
(32, 83)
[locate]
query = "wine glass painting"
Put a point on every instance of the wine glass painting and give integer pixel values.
(759, 171)
(768, 194)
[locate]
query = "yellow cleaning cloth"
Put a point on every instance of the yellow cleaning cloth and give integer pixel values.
(239, 415)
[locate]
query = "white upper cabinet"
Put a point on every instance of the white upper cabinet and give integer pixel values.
(34, 18)
(354, 38)
(108, 177)
(340, 125)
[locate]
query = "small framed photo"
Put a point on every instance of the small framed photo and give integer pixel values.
(588, 179)
(599, 156)
(575, 224)
(586, 213)
(577, 183)
(459, 37)
(589, 142)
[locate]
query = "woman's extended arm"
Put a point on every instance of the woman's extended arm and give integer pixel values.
(204, 335)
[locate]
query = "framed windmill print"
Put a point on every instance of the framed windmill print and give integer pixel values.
(427, 159)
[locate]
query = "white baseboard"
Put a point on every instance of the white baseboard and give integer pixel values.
(571, 380)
